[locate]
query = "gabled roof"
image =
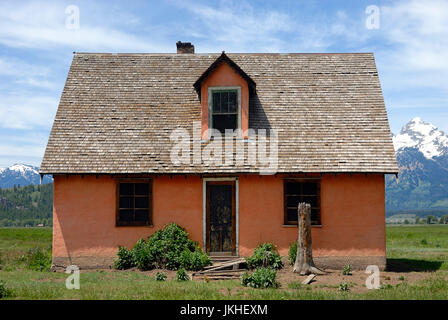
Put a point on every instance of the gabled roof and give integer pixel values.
(223, 58)
(117, 112)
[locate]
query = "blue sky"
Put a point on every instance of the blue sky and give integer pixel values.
(410, 46)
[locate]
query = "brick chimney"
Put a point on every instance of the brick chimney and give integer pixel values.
(184, 47)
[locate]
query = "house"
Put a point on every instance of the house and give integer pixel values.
(132, 149)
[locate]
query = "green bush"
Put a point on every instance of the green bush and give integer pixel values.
(168, 248)
(344, 286)
(181, 275)
(125, 259)
(142, 256)
(347, 270)
(160, 276)
(4, 291)
(194, 260)
(265, 255)
(37, 259)
(260, 278)
(292, 253)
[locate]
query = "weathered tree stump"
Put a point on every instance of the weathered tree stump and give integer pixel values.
(304, 263)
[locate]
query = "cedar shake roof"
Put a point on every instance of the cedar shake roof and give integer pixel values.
(223, 58)
(117, 112)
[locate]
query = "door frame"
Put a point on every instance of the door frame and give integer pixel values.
(204, 210)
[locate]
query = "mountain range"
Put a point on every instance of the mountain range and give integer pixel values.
(21, 174)
(422, 155)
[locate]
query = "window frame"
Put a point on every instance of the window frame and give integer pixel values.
(211, 90)
(288, 223)
(134, 223)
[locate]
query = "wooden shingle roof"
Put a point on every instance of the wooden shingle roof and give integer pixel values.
(117, 112)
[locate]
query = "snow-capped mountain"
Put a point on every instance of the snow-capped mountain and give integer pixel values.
(20, 174)
(422, 155)
(423, 136)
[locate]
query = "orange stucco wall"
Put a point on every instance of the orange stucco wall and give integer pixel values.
(222, 76)
(352, 213)
(84, 213)
(352, 216)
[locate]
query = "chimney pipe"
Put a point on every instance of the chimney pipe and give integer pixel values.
(184, 47)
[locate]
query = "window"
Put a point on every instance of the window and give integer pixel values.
(224, 109)
(305, 190)
(134, 203)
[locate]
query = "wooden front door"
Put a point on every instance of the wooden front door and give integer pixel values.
(221, 224)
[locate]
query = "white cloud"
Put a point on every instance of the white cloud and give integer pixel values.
(41, 25)
(238, 25)
(27, 111)
(417, 33)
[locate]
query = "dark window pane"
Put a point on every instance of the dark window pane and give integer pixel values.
(126, 189)
(293, 201)
(302, 191)
(141, 215)
(126, 215)
(222, 122)
(232, 102)
(216, 102)
(126, 202)
(293, 188)
(141, 202)
(224, 102)
(141, 189)
(315, 216)
(311, 200)
(310, 188)
(292, 214)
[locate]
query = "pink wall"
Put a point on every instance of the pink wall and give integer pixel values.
(352, 216)
(352, 213)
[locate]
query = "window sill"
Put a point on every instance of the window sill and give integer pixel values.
(295, 226)
(134, 225)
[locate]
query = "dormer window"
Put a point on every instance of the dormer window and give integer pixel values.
(224, 108)
(224, 90)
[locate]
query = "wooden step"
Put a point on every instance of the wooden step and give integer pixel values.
(223, 258)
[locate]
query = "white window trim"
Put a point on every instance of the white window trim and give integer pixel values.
(210, 104)
(204, 210)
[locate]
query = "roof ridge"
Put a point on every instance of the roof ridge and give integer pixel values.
(218, 53)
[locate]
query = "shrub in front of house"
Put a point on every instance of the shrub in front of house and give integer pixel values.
(125, 259)
(161, 276)
(181, 275)
(260, 278)
(292, 253)
(194, 260)
(169, 248)
(142, 256)
(265, 255)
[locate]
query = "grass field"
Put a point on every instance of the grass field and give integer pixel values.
(418, 256)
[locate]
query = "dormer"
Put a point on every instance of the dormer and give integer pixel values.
(224, 90)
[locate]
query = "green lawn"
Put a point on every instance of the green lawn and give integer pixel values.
(406, 249)
(419, 247)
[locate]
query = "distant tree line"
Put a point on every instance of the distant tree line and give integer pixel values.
(429, 219)
(31, 205)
